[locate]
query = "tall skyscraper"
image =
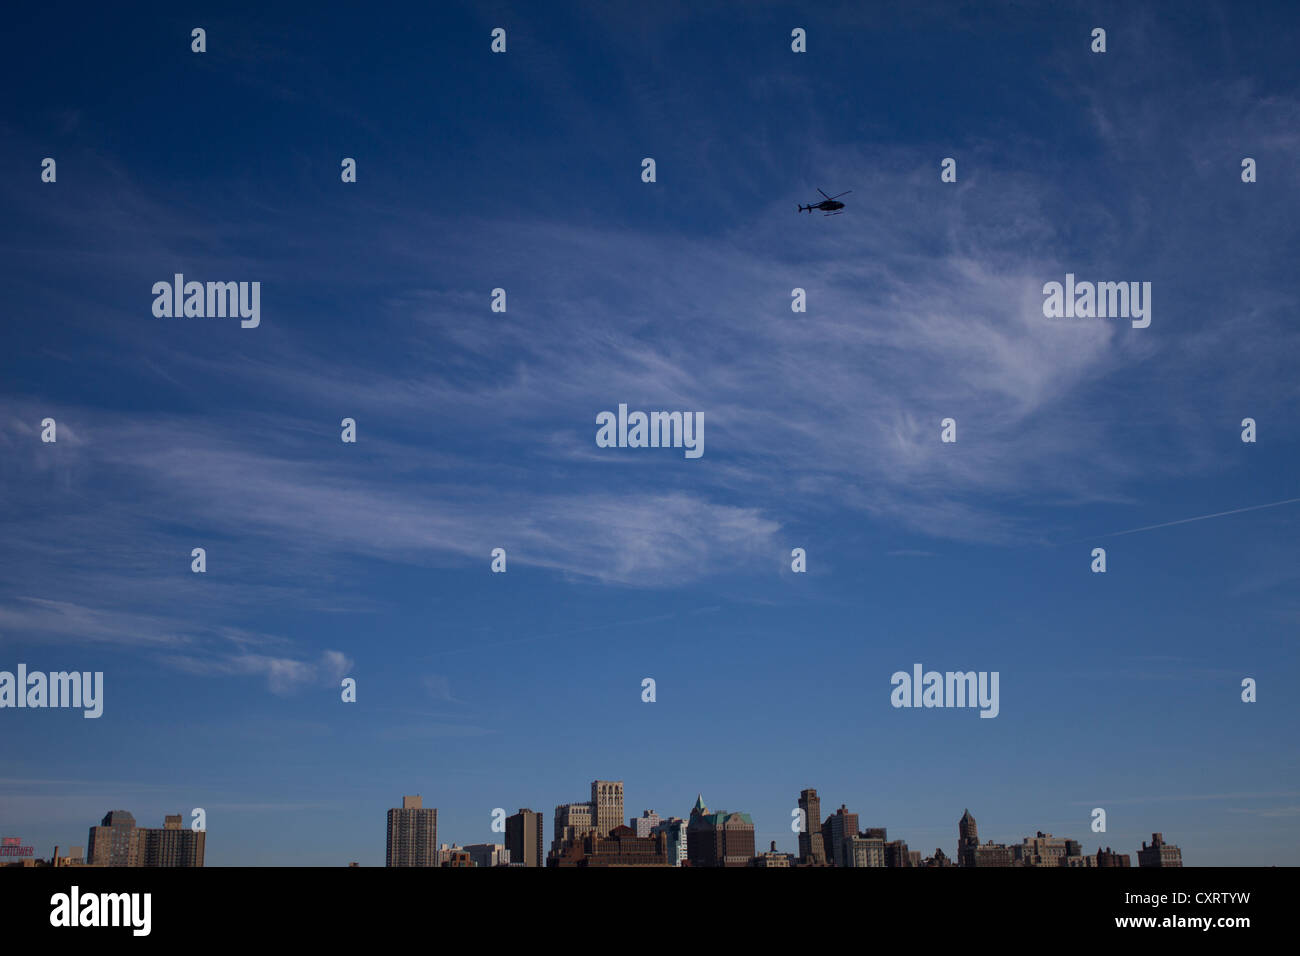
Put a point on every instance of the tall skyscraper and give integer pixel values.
(674, 829)
(971, 853)
(412, 834)
(719, 839)
(968, 831)
(119, 842)
(897, 854)
(573, 821)
(114, 842)
(174, 845)
(840, 826)
(607, 805)
(524, 838)
(811, 845)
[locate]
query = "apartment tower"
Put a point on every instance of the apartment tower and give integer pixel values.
(524, 838)
(412, 834)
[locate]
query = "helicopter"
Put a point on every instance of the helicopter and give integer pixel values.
(828, 205)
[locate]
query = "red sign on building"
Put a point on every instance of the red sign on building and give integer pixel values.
(10, 846)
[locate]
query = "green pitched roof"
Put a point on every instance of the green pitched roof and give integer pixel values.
(721, 817)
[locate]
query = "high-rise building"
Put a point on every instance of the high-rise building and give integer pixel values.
(718, 839)
(674, 829)
(971, 853)
(968, 831)
(114, 842)
(173, 845)
(839, 827)
(488, 854)
(413, 834)
(1044, 850)
(1159, 853)
(573, 821)
(600, 815)
(607, 805)
(812, 848)
(869, 848)
(524, 838)
(644, 824)
(117, 841)
(897, 854)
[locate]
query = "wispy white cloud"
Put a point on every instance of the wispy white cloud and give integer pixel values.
(282, 674)
(62, 620)
(923, 303)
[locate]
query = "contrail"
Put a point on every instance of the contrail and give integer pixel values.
(1220, 514)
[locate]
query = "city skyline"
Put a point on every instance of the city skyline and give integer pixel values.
(413, 841)
(207, 549)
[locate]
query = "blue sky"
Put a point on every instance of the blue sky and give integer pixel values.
(477, 429)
